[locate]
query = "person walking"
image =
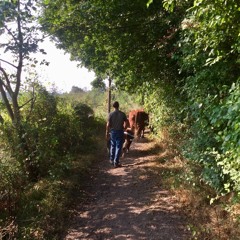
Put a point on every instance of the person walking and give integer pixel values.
(116, 123)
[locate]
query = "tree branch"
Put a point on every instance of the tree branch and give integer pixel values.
(27, 102)
(20, 62)
(6, 101)
(8, 86)
(11, 34)
(8, 63)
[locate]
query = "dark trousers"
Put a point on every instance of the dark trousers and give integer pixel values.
(116, 140)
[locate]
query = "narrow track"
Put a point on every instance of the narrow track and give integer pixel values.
(128, 202)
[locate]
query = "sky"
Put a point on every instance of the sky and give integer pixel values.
(61, 73)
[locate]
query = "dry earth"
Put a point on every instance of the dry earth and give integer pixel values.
(128, 202)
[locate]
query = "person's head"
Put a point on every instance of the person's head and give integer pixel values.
(116, 104)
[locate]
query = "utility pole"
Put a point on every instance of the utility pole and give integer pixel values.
(109, 94)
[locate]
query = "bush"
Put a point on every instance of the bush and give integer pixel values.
(53, 133)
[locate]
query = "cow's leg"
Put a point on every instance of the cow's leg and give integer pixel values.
(138, 134)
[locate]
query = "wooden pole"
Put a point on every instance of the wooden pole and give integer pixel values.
(109, 94)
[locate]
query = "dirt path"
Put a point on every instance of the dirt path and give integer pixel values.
(129, 202)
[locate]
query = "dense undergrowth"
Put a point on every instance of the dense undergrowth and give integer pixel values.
(39, 169)
(184, 65)
(209, 216)
(42, 170)
(182, 62)
(69, 140)
(40, 210)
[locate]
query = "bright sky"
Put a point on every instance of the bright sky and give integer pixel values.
(62, 72)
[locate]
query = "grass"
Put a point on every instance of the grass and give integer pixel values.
(41, 210)
(219, 220)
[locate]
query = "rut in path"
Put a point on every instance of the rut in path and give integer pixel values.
(129, 202)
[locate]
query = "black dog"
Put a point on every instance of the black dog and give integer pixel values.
(128, 138)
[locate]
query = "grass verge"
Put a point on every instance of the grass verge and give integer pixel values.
(208, 219)
(42, 210)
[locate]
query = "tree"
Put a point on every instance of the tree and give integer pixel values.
(209, 58)
(19, 30)
(19, 38)
(98, 83)
(123, 40)
(76, 90)
(216, 29)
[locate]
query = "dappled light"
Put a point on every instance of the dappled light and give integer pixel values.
(129, 202)
(174, 68)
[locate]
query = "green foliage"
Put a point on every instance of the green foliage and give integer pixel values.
(98, 83)
(181, 59)
(43, 205)
(217, 29)
(209, 117)
(19, 38)
(83, 111)
(168, 61)
(128, 41)
(125, 40)
(56, 131)
(50, 130)
(209, 59)
(164, 105)
(186, 73)
(95, 99)
(226, 118)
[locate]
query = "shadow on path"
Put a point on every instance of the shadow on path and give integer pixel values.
(128, 202)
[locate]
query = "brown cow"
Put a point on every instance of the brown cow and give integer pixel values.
(138, 120)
